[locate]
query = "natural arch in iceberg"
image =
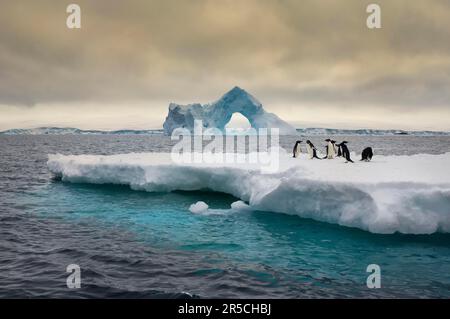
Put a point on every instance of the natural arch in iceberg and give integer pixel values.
(219, 113)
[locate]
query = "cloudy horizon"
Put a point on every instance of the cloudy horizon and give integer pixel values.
(313, 63)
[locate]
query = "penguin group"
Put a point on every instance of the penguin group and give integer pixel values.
(332, 150)
(310, 148)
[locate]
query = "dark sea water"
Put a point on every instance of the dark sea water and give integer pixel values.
(148, 245)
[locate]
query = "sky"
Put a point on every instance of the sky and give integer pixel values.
(314, 63)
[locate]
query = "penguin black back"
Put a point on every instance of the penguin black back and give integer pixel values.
(367, 154)
(313, 148)
(296, 149)
(345, 151)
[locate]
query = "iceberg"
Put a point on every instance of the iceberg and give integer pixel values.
(219, 113)
(405, 194)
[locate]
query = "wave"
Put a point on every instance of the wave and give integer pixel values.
(406, 194)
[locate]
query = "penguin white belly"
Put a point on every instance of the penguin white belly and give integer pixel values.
(298, 151)
(310, 151)
(331, 151)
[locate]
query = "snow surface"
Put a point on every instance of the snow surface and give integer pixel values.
(218, 114)
(407, 194)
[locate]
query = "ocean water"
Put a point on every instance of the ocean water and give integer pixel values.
(149, 245)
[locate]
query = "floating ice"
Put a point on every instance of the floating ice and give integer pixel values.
(198, 208)
(407, 194)
(240, 206)
(202, 208)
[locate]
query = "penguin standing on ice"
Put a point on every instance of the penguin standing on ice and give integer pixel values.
(345, 152)
(367, 154)
(312, 151)
(339, 150)
(296, 151)
(331, 152)
(335, 147)
(326, 147)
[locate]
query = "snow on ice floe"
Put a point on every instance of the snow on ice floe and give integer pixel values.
(407, 194)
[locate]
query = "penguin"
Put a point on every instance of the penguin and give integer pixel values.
(312, 151)
(326, 148)
(331, 152)
(367, 154)
(335, 147)
(296, 151)
(345, 152)
(339, 150)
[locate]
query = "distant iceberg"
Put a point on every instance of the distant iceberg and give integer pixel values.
(406, 194)
(218, 114)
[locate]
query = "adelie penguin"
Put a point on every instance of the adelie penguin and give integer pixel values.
(296, 151)
(336, 148)
(312, 151)
(367, 154)
(339, 150)
(345, 151)
(331, 151)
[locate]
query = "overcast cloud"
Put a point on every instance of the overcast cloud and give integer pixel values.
(313, 62)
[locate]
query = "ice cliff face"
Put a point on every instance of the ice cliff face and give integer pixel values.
(218, 114)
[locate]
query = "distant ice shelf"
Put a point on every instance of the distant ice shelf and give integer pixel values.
(300, 131)
(77, 131)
